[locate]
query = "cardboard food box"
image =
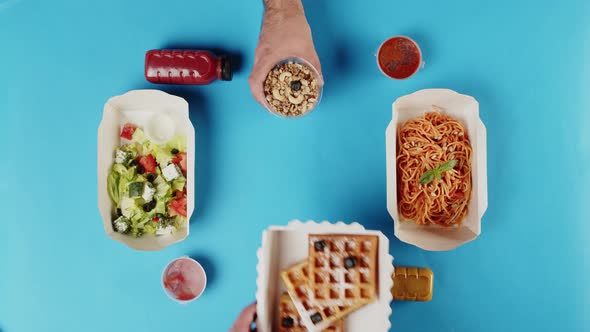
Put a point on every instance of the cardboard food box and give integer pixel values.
(466, 110)
(151, 110)
(284, 246)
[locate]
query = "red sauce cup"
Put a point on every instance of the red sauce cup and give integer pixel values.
(184, 280)
(399, 57)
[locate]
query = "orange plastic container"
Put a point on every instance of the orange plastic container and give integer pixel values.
(412, 284)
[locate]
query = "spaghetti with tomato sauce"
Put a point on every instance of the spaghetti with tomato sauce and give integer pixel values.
(423, 144)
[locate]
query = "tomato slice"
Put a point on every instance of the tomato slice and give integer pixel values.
(128, 130)
(179, 206)
(149, 163)
(180, 160)
(178, 194)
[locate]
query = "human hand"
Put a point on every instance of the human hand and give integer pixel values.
(285, 34)
(245, 320)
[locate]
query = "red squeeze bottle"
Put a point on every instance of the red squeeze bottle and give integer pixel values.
(189, 67)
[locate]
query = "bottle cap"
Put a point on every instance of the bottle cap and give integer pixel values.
(226, 71)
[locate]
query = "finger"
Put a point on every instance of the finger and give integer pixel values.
(256, 87)
(245, 319)
(261, 68)
(318, 66)
(310, 55)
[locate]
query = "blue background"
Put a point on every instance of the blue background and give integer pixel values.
(525, 61)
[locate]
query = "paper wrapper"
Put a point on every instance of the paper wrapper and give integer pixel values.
(139, 107)
(284, 246)
(466, 110)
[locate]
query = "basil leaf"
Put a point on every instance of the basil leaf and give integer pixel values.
(449, 165)
(427, 177)
(437, 173)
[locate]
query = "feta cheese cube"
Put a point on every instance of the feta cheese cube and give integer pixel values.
(122, 157)
(121, 224)
(171, 172)
(165, 230)
(148, 192)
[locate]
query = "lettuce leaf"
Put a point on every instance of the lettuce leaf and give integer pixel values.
(138, 136)
(119, 168)
(113, 186)
(179, 221)
(162, 154)
(178, 142)
(124, 181)
(178, 184)
(130, 148)
(149, 228)
(160, 207)
(162, 187)
(130, 209)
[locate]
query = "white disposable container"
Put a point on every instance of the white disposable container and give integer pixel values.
(285, 246)
(161, 115)
(466, 110)
(193, 274)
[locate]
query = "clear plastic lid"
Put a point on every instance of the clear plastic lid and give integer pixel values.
(296, 105)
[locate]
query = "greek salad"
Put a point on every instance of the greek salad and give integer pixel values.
(147, 184)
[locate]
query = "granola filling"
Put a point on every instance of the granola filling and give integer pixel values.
(291, 89)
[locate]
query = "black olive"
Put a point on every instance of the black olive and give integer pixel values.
(295, 85)
(151, 177)
(153, 204)
(133, 162)
(175, 151)
(119, 212)
(147, 207)
(140, 169)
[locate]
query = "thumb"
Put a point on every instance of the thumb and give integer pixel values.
(245, 319)
(257, 78)
(315, 62)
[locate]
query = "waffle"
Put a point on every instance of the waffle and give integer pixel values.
(344, 268)
(318, 314)
(290, 321)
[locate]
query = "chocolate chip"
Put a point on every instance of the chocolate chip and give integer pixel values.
(316, 318)
(319, 245)
(287, 322)
(350, 262)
